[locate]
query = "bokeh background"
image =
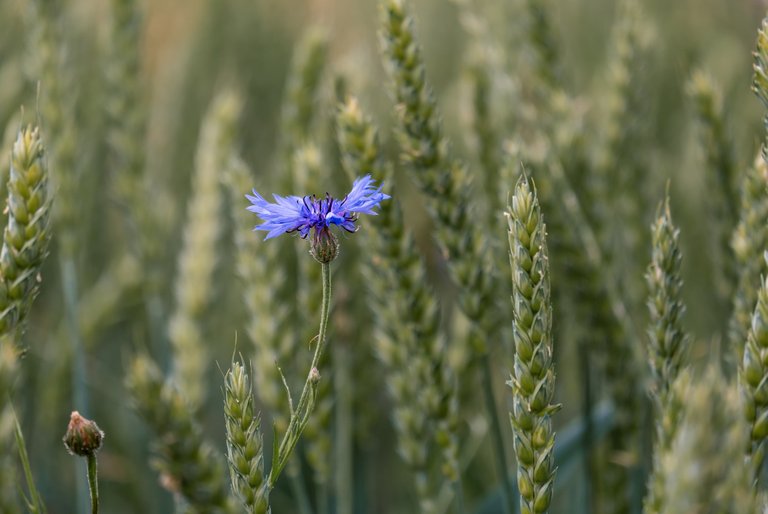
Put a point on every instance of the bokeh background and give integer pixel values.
(189, 49)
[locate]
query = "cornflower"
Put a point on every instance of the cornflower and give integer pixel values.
(303, 214)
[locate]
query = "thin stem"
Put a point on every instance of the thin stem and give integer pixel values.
(588, 428)
(156, 321)
(307, 400)
(459, 496)
(93, 483)
(34, 503)
(79, 389)
(496, 435)
(299, 489)
(323, 499)
(343, 445)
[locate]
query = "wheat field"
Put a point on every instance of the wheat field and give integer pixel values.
(384, 256)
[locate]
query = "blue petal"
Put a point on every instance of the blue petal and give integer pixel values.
(364, 196)
(285, 215)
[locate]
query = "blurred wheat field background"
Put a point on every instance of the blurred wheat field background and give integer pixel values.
(561, 308)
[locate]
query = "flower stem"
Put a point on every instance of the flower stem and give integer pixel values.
(496, 435)
(93, 483)
(300, 416)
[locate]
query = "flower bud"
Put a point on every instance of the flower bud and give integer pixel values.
(314, 376)
(324, 246)
(83, 436)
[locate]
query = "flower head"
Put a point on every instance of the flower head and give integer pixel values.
(304, 214)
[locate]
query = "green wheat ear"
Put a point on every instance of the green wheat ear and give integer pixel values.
(721, 171)
(24, 248)
(667, 339)
(245, 445)
(445, 181)
(189, 465)
(754, 375)
(269, 320)
(668, 343)
(533, 377)
(26, 235)
(197, 258)
(753, 371)
(407, 338)
(703, 466)
(749, 241)
(299, 107)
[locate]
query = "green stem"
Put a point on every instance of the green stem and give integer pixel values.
(156, 321)
(459, 496)
(79, 389)
(323, 499)
(588, 428)
(299, 489)
(343, 431)
(496, 435)
(93, 483)
(306, 404)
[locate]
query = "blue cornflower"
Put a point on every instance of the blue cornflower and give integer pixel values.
(303, 214)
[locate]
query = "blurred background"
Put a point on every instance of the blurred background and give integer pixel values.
(190, 49)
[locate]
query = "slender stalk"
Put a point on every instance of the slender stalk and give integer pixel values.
(304, 408)
(458, 496)
(496, 435)
(69, 284)
(344, 421)
(588, 439)
(93, 483)
(155, 311)
(34, 502)
(79, 388)
(323, 499)
(299, 490)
